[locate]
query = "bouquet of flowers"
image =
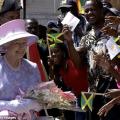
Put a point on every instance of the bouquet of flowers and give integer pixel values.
(48, 94)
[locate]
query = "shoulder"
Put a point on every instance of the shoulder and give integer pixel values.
(29, 63)
(31, 68)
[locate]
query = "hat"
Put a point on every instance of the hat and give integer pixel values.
(106, 3)
(66, 4)
(114, 11)
(13, 30)
(52, 26)
(9, 5)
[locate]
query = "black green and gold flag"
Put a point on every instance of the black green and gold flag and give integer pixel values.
(55, 38)
(86, 101)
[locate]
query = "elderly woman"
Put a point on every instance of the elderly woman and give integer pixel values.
(17, 74)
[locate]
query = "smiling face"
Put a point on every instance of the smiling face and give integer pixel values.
(57, 56)
(17, 48)
(93, 12)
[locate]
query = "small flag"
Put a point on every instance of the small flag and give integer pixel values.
(116, 39)
(86, 100)
(55, 38)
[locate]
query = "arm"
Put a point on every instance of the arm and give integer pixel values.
(109, 31)
(113, 93)
(103, 62)
(113, 19)
(74, 55)
(107, 107)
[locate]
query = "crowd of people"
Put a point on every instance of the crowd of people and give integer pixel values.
(86, 59)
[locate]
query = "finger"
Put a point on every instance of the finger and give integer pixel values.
(110, 24)
(106, 112)
(101, 112)
(66, 28)
(105, 28)
(104, 31)
(65, 31)
(108, 95)
(110, 17)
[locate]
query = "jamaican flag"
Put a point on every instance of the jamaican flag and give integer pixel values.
(117, 40)
(55, 38)
(86, 100)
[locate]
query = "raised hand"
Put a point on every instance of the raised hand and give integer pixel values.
(113, 19)
(108, 30)
(67, 33)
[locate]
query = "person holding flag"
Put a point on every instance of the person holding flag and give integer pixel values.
(71, 6)
(93, 42)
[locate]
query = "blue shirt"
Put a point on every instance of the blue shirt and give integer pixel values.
(12, 81)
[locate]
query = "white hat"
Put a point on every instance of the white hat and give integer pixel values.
(13, 30)
(113, 48)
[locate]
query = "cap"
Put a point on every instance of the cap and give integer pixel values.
(52, 26)
(66, 4)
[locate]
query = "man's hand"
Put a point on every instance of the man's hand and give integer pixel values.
(109, 31)
(105, 109)
(112, 19)
(113, 93)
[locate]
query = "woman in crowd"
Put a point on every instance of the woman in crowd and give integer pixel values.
(66, 74)
(17, 74)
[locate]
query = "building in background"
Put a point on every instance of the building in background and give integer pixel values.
(42, 10)
(45, 10)
(115, 3)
